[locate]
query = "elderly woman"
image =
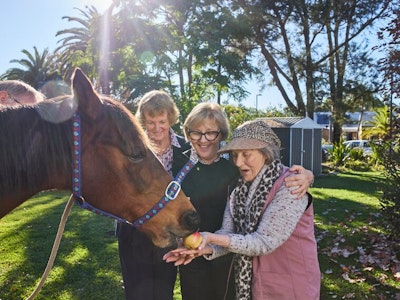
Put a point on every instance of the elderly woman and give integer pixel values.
(269, 230)
(145, 274)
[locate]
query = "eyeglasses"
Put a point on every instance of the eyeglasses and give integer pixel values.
(209, 135)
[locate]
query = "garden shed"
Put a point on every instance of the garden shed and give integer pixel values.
(301, 140)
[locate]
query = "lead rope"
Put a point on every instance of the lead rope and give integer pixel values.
(54, 250)
(76, 194)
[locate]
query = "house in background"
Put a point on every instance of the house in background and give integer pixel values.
(301, 140)
(352, 128)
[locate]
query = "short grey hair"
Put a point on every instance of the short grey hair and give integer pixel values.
(272, 152)
(207, 111)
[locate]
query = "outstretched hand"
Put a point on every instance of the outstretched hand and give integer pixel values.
(302, 179)
(183, 256)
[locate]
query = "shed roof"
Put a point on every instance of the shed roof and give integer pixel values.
(291, 122)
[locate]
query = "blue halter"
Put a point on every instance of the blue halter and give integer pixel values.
(171, 191)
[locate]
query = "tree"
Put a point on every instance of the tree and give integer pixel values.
(82, 47)
(379, 126)
(307, 46)
(215, 33)
(390, 41)
(37, 68)
(390, 155)
(195, 50)
(390, 147)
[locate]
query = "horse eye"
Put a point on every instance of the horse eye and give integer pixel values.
(136, 157)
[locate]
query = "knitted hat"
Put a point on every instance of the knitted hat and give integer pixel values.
(251, 135)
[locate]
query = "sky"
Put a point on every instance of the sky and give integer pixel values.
(28, 23)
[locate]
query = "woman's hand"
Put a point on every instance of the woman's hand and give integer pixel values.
(181, 255)
(302, 180)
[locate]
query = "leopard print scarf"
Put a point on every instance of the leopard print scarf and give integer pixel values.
(249, 200)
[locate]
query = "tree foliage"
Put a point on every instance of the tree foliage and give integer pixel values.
(390, 155)
(36, 69)
(389, 37)
(312, 51)
(390, 146)
(379, 127)
(308, 48)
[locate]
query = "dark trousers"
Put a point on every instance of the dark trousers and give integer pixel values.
(146, 276)
(207, 280)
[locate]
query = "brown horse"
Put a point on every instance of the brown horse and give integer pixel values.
(119, 172)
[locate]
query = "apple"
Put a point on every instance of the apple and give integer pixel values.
(193, 241)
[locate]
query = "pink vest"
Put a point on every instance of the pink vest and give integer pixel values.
(292, 270)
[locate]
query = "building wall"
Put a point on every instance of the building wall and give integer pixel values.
(301, 147)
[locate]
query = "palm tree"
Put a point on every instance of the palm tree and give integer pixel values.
(379, 125)
(83, 46)
(38, 68)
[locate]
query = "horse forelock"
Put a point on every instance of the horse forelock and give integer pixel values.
(127, 125)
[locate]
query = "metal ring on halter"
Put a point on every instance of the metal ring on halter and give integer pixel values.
(172, 190)
(80, 201)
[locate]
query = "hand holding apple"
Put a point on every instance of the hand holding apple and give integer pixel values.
(183, 255)
(193, 241)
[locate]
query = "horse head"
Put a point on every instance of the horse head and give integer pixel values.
(119, 172)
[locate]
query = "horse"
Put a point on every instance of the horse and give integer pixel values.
(118, 172)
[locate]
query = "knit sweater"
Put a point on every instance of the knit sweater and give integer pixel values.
(290, 272)
(277, 224)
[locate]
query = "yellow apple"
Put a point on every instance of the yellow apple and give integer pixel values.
(193, 241)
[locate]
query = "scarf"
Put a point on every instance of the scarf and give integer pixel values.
(249, 199)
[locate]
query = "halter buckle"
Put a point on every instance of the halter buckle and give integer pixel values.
(172, 190)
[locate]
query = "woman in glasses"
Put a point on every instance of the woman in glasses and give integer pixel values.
(270, 232)
(206, 127)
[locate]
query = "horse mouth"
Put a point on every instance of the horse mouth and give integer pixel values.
(173, 239)
(170, 239)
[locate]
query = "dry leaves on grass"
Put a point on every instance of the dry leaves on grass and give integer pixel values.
(378, 252)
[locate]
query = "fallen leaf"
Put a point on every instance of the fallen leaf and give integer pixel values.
(397, 276)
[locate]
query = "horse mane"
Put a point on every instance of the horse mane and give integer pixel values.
(31, 148)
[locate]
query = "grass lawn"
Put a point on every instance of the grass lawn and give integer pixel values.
(355, 258)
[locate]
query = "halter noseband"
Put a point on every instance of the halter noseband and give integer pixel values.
(171, 191)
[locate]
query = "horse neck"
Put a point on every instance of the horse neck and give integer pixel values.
(35, 155)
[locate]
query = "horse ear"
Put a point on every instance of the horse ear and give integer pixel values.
(87, 98)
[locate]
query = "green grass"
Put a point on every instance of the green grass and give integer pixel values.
(87, 263)
(354, 256)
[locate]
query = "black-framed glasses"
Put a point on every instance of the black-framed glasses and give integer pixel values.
(209, 135)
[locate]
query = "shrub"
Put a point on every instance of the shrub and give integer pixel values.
(389, 151)
(357, 165)
(390, 200)
(356, 154)
(339, 154)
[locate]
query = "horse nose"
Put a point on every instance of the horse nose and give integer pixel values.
(191, 220)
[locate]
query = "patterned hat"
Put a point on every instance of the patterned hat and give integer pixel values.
(251, 135)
